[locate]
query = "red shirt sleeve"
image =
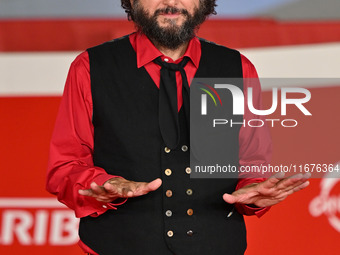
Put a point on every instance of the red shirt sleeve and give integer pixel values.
(255, 143)
(70, 166)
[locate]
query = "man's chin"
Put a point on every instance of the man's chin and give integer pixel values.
(170, 21)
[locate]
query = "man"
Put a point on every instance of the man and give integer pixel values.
(119, 154)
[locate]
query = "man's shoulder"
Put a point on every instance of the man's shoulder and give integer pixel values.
(117, 42)
(212, 51)
(216, 46)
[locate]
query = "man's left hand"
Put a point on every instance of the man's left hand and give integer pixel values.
(270, 192)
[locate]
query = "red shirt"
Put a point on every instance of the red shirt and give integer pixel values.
(71, 164)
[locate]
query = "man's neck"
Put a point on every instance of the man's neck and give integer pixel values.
(173, 54)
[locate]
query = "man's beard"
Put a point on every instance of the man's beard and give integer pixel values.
(172, 36)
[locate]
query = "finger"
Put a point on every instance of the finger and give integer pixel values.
(127, 192)
(289, 182)
(155, 184)
(295, 181)
(119, 188)
(142, 188)
(245, 198)
(285, 194)
(307, 175)
(297, 184)
(230, 199)
(302, 186)
(272, 181)
(110, 188)
(86, 192)
(96, 189)
(105, 200)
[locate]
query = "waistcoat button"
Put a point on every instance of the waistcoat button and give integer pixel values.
(168, 213)
(168, 172)
(168, 193)
(167, 150)
(189, 192)
(170, 233)
(188, 170)
(190, 233)
(184, 148)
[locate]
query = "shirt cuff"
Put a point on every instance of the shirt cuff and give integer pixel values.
(247, 210)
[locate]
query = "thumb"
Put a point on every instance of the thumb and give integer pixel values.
(230, 199)
(155, 184)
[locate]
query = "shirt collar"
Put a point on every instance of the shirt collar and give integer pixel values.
(147, 52)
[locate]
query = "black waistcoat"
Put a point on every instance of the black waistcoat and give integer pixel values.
(127, 142)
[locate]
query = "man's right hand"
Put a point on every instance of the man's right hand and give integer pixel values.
(119, 188)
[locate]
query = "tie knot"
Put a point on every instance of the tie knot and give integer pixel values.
(171, 66)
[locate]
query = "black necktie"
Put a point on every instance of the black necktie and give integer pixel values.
(168, 109)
